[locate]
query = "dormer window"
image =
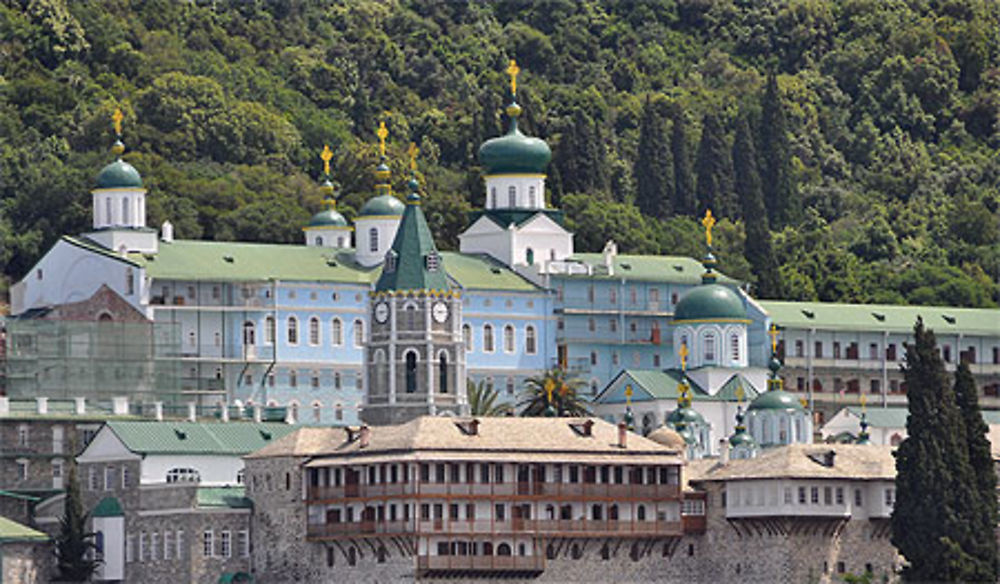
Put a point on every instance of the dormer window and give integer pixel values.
(432, 261)
(390, 261)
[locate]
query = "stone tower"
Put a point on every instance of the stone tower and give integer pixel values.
(415, 357)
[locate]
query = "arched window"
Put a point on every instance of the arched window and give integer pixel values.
(487, 338)
(317, 411)
(359, 332)
(125, 211)
(530, 343)
(337, 380)
(314, 379)
(529, 256)
(337, 332)
(293, 408)
(411, 316)
(249, 333)
(293, 378)
(511, 196)
(613, 512)
(532, 199)
(709, 351)
(443, 373)
(640, 513)
(467, 336)
(503, 549)
(734, 346)
(107, 210)
(493, 198)
(508, 339)
(373, 239)
(269, 329)
(183, 475)
(338, 412)
(313, 331)
(340, 242)
(411, 372)
(129, 282)
(510, 385)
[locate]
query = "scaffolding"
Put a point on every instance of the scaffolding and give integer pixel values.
(95, 360)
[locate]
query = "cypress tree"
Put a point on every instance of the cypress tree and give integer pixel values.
(715, 171)
(933, 476)
(757, 246)
(582, 159)
(685, 201)
(74, 543)
(983, 545)
(654, 173)
(780, 195)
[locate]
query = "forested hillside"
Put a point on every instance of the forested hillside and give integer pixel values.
(850, 148)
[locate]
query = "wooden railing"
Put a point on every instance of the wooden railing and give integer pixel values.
(582, 527)
(521, 489)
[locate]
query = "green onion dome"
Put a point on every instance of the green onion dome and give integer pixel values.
(382, 205)
(710, 302)
(328, 218)
(742, 438)
(119, 175)
(776, 399)
(514, 153)
(684, 415)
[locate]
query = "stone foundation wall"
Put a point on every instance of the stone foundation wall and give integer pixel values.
(280, 552)
(26, 563)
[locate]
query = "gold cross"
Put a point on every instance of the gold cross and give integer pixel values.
(708, 222)
(382, 133)
(413, 151)
(117, 119)
(773, 333)
(513, 70)
(864, 401)
(740, 394)
(326, 155)
(550, 385)
(683, 352)
(628, 393)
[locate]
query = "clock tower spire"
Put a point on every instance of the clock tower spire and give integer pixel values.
(414, 358)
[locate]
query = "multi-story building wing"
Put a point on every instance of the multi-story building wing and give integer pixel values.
(452, 496)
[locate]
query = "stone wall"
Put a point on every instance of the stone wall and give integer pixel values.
(279, 520)
(25, 563)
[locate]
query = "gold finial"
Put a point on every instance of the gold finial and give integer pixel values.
(864, 402)
(382, 133)
(117, 119)
(804, 402)
(684, 399)
(628, 394)
(326, 155)
(708, 222)
(550, 386)
(683, 352)
(773, 333)
(412, 151)
(740, 394)
(513, 70)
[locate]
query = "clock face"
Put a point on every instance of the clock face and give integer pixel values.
(382, 312)
(440, 311)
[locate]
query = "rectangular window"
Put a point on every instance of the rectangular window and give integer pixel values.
(168, 545)
(889, 497)
(130, 548)
(243, 542)
(109, 478)
(154, 546)
(858, 499)
(802, 495)
(828, 495)
(180, 544)
(225, 544)
(788, 495)
(208, 544)
(840, 495)
(818, 349)
(873, 351)
(142, 547)
(501, 512)
(836, 350)
(799, 348)
(814, 495)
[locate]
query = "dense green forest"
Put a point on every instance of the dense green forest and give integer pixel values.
(850, 148)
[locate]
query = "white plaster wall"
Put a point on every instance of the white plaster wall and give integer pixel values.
(136, 216)
(386, 226)
(214, 469)
(330, 236)
(522, 183)
(113, 566)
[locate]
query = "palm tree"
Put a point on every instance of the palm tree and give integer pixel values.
(553, 394)
(483, 400)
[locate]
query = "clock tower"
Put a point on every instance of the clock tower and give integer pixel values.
(414, 357)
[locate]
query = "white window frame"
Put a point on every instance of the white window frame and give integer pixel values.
(226, 544)
(359, 333)
(315, 332)
(488, 339)
(530, 340)
(337, 332)
(208, 544)
(292, 330)
(509, 338)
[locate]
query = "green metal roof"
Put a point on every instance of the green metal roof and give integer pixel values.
(118, 175)
(504, 217)
(481, 272)
(896, 417)
(742, 438)
(328, 218)
(710, 302)
(684, 414)
(514, 153)
(778, 399)
(108, 507)
(235, 578)
(14, 531)
(382, 205)
(223, 497)
(652, 268)
(654, 384)
(883, 317)
(413, 248)
(730, 389)
(20, 496)
(151, 437)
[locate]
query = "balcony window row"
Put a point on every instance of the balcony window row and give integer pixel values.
(509, 339)
(314, 331)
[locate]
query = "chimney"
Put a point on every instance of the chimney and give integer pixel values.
(622, 435)
(828, 458)
(364, 436)
(119, 406)
(474, 427)
(158, 411)
(588, 427)
(724, 451)
(80, 405)
(42, 405)
(4, 405)
(290, 415)
(167, 231)
(224, 412)
(258, 413)
(192, 412)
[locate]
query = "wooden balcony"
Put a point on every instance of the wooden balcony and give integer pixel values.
(536, 490)
(560, 527)
(529, 564)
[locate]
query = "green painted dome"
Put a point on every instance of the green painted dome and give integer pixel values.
(778, 399)
(386, 205)
(742, 438)
(118, 175)
(514, 153)
(685, 415)
(710, 302)
(328, 218)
